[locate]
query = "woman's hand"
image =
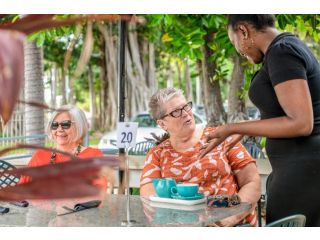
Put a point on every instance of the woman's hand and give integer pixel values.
(227, 222)
(216, 138)
(235, 139)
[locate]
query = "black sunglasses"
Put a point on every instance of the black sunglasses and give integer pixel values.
(64, 125)
(178, 112)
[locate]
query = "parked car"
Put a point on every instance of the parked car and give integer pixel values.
(253, 113)
(199, 110)
(146, 126)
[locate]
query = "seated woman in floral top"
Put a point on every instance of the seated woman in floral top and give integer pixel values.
(219, 172)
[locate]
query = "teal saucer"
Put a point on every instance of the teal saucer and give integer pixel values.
(195, 197)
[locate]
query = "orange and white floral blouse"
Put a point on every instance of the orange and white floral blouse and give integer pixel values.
(214, 173)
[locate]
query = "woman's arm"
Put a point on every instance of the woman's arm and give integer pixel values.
(249, 183)
(147, 190)
(249, 187)
(294, 98)
(150, 170)
(34, 162)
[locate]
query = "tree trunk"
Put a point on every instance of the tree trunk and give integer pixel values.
(138, 92)
(145, 56)
(189, 94)
(236, 105)
(151, 79)
(148, 64)
(83, 60)
(34, 91)
(140, 74)
(169, 74)
(103, 93)
(92, 97)
(135, 54)
(63, 87)
(212, 91)
(110, 77)
(104, 88)
(179, 74)
(133, 98)
(66, 62)
(201, 82)
(198, 92)
(54, 78)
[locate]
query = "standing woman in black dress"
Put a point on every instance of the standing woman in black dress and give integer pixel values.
(287, 92)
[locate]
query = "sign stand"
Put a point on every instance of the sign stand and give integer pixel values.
(128, 222)
(127, 138)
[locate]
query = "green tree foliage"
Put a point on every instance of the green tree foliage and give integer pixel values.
(55, 42)
(177, 37)
(183, 36)
(307, 25)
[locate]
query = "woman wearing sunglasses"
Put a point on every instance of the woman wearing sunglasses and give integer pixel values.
(218, 173)
(67, 129)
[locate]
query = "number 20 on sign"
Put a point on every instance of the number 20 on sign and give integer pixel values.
(126, 134)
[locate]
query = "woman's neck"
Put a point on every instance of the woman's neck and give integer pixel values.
(182, 142)
(70, 148)
(266, 38)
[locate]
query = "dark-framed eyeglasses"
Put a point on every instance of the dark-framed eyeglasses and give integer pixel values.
(64, 124)
(178, 112)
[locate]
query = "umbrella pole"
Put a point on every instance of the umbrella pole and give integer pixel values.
(121, 89)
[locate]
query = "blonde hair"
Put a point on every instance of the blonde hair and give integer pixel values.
(77, 116)
(159, 98)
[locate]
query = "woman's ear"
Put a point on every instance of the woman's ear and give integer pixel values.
(244, 31)
(162, 124)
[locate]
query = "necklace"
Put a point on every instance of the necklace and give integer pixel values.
(53, 155)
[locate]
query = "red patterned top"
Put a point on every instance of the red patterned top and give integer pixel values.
(214, 173)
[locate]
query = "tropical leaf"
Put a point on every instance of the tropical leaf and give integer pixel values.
(11, 71)
(38, 22)
(166, 38)
(64, 180)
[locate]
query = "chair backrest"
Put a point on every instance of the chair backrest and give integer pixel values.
(297, 220)
(107, 151)
(254, 150)
(141, 148)
(7, 179)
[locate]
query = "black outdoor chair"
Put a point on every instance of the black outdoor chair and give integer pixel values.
(259, 209)
(7, 179)
(254, 150)
(297, 220)
(141, 148)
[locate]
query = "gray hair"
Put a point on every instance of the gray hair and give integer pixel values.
(160, 97)
(77, 116)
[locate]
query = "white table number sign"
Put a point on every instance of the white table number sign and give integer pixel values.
(126, 134)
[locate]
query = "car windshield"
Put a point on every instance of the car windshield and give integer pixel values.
(197, 119)
(253, 113)
(145, 120)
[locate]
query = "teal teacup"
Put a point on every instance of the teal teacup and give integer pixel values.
(185, 189)
(163, 186)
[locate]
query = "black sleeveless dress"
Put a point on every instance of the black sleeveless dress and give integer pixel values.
(294, 184)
